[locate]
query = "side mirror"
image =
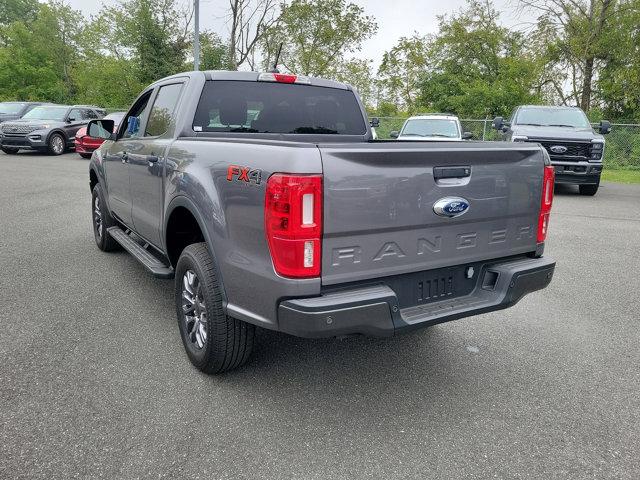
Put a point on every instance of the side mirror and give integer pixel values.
(498, 123)
(375, 122)
(71, 120)
(467, 136)
(394, 134)
(605, 127)
(101, 129)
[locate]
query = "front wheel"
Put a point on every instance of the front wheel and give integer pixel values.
(56, 144)
(214, 342)
(10, 150)
(102, 219)
(589, 190)
(85, 155)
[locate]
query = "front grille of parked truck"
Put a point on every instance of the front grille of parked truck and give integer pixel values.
(575, 151)
(12, 129)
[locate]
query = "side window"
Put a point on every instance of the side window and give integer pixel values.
(89, 114)
(164, 110)
(75, 115)
(130, 127)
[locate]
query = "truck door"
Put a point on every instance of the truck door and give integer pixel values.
(146, 165)
(117, 155)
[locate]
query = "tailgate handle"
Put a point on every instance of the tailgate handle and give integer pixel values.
(451, 172)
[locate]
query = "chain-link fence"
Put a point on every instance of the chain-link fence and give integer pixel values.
(622, 148)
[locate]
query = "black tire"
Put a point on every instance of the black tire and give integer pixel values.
(228, 342)
(589, 190)
(85, 155)
(57, 144)
(103, 239)
(10, 150)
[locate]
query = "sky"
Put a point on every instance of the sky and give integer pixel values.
(395, 18)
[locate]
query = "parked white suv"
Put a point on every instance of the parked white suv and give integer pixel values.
(433, 127)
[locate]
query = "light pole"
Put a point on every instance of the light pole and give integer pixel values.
(196, 35)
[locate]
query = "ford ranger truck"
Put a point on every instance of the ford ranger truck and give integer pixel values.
(576, 150)
(266, 198)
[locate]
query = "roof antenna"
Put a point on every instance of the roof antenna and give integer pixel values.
(275, 64)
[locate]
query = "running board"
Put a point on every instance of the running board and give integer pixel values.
(151, 262)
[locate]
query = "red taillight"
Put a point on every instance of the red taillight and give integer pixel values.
(285, 78)
(293, 224)
(546, 202)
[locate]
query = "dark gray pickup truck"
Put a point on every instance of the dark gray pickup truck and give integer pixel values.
(576, 151)
(268, 200)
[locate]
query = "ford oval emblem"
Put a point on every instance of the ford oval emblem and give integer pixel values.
(558, 149)
(451, 207)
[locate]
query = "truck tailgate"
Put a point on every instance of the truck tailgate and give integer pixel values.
(379, 217)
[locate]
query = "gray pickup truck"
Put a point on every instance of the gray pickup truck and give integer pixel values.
(268, 200)
(576, 151)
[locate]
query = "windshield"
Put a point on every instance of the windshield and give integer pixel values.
(47, 113)
(554, 117)
(262, 107)
(11, 108)
(431, 127)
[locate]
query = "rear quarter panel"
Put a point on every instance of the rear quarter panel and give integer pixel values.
(233, 215)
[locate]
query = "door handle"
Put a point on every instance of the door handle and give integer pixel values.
(451, 172)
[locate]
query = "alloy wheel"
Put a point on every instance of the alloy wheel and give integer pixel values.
(57, 144)
(97, 216)
(194, 310)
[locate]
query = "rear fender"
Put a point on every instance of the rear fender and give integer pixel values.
(184, 202)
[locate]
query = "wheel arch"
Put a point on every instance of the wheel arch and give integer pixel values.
(94, 179)
(61, 132)
(178, 206)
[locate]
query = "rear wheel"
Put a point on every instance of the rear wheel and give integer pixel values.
(85, 155)
(589, 190)
(10, 150)
(214, 342)
(56, 144)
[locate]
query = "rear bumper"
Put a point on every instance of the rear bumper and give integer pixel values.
(577, 173)
(373, 309)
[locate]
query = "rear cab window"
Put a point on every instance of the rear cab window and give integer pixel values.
(263, 107)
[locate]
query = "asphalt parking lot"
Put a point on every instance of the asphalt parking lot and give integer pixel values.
(94, 381)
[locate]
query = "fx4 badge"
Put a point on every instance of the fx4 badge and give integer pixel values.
(244, 174)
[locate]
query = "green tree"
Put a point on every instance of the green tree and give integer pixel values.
(18, 10)
(214, 53)
(157, 31)
(130, 45)
(358, 73)
(401, 69)
(576, 37)
(618, 83)
(318, 36)
(38, 58)
(477, 67)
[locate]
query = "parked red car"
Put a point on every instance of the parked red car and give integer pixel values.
(85, 145)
